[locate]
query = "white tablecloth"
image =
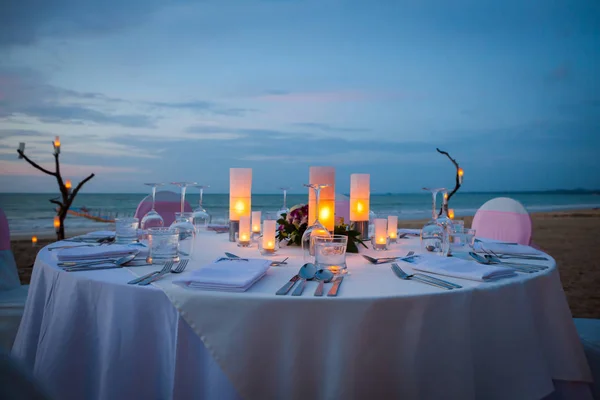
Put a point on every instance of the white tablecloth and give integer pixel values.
(89, 335)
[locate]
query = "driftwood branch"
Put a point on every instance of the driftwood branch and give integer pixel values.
(34, 164)
(457, 186)
(66, 197)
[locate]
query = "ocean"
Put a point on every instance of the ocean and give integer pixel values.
(33, 213)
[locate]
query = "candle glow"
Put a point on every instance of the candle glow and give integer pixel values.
(240, 192)
(34, 240)
(68, 184)
(381, 230)
(392, 224)
(461, 172)
(451, 213)
(322, 176)
(56, 222)
(359, 197)
(256, 221)
(244, 232)
(269, 234)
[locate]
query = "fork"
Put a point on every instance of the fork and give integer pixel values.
(178, 269)
(384, 260)
(520, 256)
(403, 275)
(165, 268)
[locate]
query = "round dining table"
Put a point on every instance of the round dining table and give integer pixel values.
(91, 335)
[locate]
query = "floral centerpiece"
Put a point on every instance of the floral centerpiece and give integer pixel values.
(292, 227)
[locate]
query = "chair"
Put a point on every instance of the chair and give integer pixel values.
(589, 334)
(12, 294)
(167, 204)
(503, 219)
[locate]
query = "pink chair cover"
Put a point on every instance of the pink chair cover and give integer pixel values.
(503, 219)
(167, 204)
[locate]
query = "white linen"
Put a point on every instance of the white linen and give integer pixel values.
(452, 266)
(95, 252)
(380, 338)
(502, 248)
(226, 275)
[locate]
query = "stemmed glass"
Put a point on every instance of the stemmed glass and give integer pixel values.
(152, 219)
(433, 233)
(183, 223)
(201, 217)
(284, 208)
(316, 229)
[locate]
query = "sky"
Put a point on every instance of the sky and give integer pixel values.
(182, 90)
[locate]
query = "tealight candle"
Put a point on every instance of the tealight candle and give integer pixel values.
(256, 221)
(379, 240)
(244, 232)
(34, 241)
(268, 243)
(56, 222)
(461, 172)
(451, 213)
(392, 227)
(68, 184)
(57, 145)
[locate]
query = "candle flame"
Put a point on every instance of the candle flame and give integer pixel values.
(451, 213)
(461, 172)
(392, 235)
(244, 237)
(68, 184)
(359, 207)
(57, 142)
(324, 213)
(381, 240)
(56, 222)
(240, 206)
(34, 239)
(255, 228)
(445, 196)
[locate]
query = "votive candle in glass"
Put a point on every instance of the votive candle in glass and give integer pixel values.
(268, 240)
(392, 228)
(244, 232)
(256, 215)
(379, 241)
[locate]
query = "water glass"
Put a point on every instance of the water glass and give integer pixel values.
(458, 225)
(330, 253)
(162, 244)
(126, 230)
(459, 242)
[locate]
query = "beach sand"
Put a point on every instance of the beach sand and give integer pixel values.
(571, 237)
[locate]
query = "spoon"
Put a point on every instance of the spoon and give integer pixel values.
(117, 264)
(307, 272)
(323, 276)
(482, 260)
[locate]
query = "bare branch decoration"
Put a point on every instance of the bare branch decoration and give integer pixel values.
(67, 196)
(458, 180)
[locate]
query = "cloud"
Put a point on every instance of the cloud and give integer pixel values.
(203, 106)
(24, 92)
(21, 168)
(328, 128)
(318, 97)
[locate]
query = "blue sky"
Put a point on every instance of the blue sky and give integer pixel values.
(150, 90)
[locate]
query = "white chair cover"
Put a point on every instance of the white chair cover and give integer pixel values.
(503, 219)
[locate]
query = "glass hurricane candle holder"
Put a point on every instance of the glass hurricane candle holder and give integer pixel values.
(268, 247)
(380, 243)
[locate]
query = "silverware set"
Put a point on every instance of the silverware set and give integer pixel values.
(104, 263)
(519, 267)
(156, 275)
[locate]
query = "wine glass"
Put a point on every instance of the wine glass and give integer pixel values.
(433, 233)
(152, 219)
(284, 208)
(316, 229)
(201, 218)
(184, 223)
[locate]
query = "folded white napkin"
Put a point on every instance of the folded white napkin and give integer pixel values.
(226, 275)
(95, 252)
(459, 268)
(409, 231)
(502, 248)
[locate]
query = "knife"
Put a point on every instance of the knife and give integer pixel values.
(336, 286)
(286, 288)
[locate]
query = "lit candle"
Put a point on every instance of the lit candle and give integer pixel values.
(240, 192)
(359, 197)
(56, 222)
(255, 221)
(57, 145)
(326, 212)
(34, 241)
(268, 238)
(68, 184)
(392, 226)
(445, 199)
(451, 213)
(244, 232)
(461, 172)
(379, 241)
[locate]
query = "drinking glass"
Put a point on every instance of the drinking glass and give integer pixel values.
(433, 233)
(460, 242)
(201, 218)
(152, 219)
(162, 245)
(330, 252)
(187, 233)
(183, 186)
(284, 208)
(316, 229)
(126, 230)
